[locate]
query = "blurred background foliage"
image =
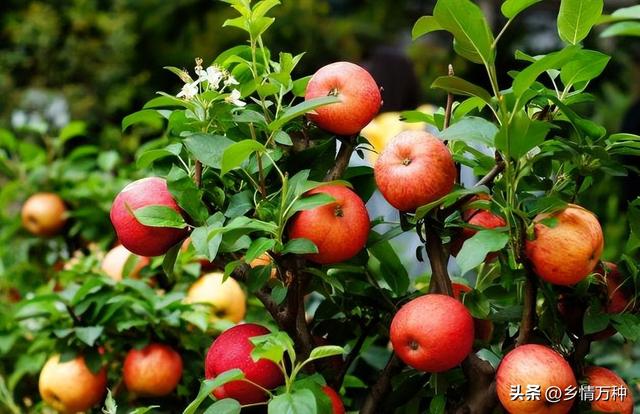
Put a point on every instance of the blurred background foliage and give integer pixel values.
(70, 70)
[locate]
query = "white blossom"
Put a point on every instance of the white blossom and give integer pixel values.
(189, 90)
(234, 98)
(213, 75)
(230, 80)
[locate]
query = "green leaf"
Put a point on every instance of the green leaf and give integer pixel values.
(160, 216)
(622, 29)
(144, 410)
(595, 320)
(473, 130)
(187, 194)
(425, 25)
(206, 239)
(297, 402)
(239, 204)
(258, 247)
(208, 148)
(576, 18)
(89, 334)
(437, 404)
(459, 86)
(308, 203)
(385, 262)
(164, 101)
(71, 130)
(301, 109)
(586, 65)
(110, 406)
(475, 249)
(207, 387)
(528, 76)
(449, 200)
(234, 155)
(523, 135)
(147, 157)
(628, 325)
(169, 261)
(325, 352)
(226, 406)
(150, 117)
(299, 246)
(272, 347)
(464, 19)
(511, 8)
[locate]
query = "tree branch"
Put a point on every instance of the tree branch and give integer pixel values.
(480, 396)
(378, 391)
(197, 177)
(440, 281)
(353, 354)
(348, 144)
(528, 321)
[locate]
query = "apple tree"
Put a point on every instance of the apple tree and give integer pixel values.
(252, 184)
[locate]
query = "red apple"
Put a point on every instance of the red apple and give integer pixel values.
(336, 401)
(432, 333)
(339, 229)
(602, 377)
(414, 169)
(232, 350)
(70, 386)
(44, 214)
(138, 238)
(567, 245)
(152, 371)
(534, 365)
(479, 218)
(359, 95)
(483, 328)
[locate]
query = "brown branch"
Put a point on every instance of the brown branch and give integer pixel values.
(480, 396)
(528, 321)
(378, 391)
(353, 354)
(197, 177)
(581, 348)
(492, 174)
(438, 258)
(348, 144)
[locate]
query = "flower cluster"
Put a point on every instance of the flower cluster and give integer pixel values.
(210, 78)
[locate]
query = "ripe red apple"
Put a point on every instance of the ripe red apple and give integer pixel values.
(70, 386)
(138, 238)
(336, 401)
(602, 377)
(44, 214)
(432, 333)
(533, 365)
(483, 328)
(567, 252)
(115, 260)
(152, 371)
(414, 169)
(339, 229)
(232, 350)
(479, 218)
(359, 95)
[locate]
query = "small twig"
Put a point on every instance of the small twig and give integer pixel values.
(528, 321)
(449, 108)
(76, 319)
(197, 177)
(381, 387)
(348, 144)
(261, 179)
(353, 354)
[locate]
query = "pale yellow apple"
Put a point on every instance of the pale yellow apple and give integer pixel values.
(70, 387)
(228, 298)
(44, 214)
(115, 260)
